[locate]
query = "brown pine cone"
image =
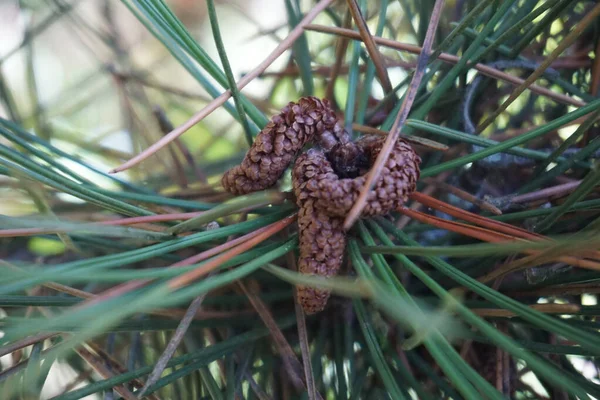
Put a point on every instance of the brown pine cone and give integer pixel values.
(315, 179)
(311, 119)
(322, 245)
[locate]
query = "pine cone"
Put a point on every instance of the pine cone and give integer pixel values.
(280, 141)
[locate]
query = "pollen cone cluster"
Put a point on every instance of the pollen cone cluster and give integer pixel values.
(323, 196)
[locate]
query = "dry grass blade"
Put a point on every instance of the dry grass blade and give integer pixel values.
(205, 269)
(491, 236)
(374, 53)
(484, 221)
(303, 338)
(419, 141)
(474, 218)
(219, 101)
(115, 222)
(450, 58)
(129, 286)
(383, 155)
(340, 52)
(100, 367)
(28, 341)
(562, 46)
(293, 366)
(546, 194)
(182, 328)
(544, 308)
(484, 205)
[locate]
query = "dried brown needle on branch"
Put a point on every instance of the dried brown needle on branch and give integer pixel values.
(219, 101)
(378, 165)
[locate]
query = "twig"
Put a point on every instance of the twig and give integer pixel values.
(303, 337)
(417, 140)
(204, 269)
(293, 366)
(28, 341)
(371, 46)
(166, 126)
(100, 367)
(219, 101)
(491, 236)
(450, 58)
(340, 52)
(543, 308)
(293, 70)
(551, 192)
(564, 44)
(383, 155)
(484, 205)
(182, 328)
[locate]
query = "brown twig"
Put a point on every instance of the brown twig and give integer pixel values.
(304, 344)
(294, 70)
(417, 140)
(210, 266)
(372, 49)
(450, 58)
(595, 72)
(100, 367)
(562, 46)
(545, 194)
(176, 339)
(543, 308)
(484, 205)
(28, 341)
(293, 366)
(166, 126)
(491, 236)
(340, 52)
(115, 222)
(377, 167)
(219, 101)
